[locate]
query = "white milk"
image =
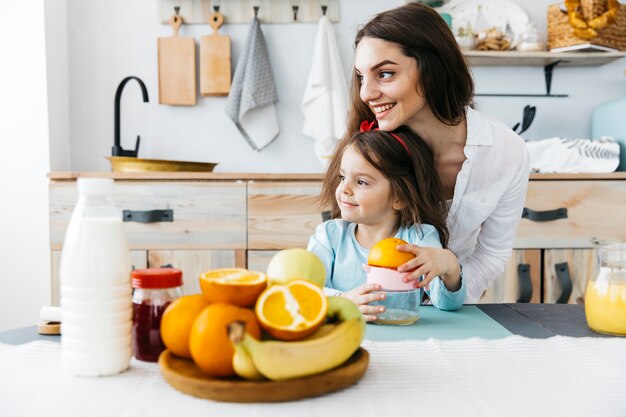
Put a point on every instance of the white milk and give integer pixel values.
(95, 261)
(95, 253)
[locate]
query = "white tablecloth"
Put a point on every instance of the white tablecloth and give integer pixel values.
(515, 376)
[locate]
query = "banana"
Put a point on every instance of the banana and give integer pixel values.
(278, 360)
(322, 331)
(243, 365)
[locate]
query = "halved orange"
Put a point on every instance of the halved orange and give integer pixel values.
(292, 311)
(236, 286)
(385, 254)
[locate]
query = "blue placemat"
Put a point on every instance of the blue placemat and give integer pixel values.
(468, 321)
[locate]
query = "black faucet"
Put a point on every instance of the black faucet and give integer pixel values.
(117, 148)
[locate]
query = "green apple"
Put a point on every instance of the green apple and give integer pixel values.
(296, 263)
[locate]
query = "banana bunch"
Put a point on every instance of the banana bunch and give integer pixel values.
(330, 346)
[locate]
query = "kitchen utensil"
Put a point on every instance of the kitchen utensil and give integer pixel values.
(128, 164)
(215, 75)
(401, 307)
(608, 120)
(402, 299)
(528, 116)
(388, 279)
(177, 67)
(605, 297)
(186, 377)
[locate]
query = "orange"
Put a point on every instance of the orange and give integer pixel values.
(292, 311)
(385, 254)
(209, 343)
(177, 321)
(235, 286)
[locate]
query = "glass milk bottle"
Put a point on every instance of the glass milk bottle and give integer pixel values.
(96, 297)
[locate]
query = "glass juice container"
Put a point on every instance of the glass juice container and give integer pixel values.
(605, 297)
(402, 299)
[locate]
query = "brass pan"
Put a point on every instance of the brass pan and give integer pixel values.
(130, 164)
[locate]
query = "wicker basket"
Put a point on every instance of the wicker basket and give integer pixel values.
(561, 34)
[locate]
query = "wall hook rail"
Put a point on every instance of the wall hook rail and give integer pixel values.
(242, 11)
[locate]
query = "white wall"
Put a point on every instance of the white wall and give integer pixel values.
(110, 40)
(24, 163)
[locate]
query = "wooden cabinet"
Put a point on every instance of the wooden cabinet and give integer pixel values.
(205, 227)
(520, 281)
(591, 208)
(586, 206)
(566, 273)
(282, 214)
(226, 220)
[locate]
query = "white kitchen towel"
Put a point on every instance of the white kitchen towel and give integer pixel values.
(560, 155)
(325, 101)
(513, 377)
(252, 98)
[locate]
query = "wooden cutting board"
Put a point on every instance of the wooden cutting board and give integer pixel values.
(177, 67)
(186, 377)
(215, 74)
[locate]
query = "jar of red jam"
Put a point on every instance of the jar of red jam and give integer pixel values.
(153, 290)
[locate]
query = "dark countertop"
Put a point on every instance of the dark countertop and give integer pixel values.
(536, 321)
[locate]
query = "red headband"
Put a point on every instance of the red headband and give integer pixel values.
(367, 126)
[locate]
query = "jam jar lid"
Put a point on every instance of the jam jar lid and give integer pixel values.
(157, 278)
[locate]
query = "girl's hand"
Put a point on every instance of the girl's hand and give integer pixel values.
(431, 263)
(362, 296)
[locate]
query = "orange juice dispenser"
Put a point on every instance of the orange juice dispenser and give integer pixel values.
(605, 297)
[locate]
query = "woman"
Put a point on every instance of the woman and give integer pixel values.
(409, 70)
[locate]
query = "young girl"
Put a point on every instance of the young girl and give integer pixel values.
(384, 184)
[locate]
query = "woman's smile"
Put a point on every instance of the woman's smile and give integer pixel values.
(382, 110)
(389, 82)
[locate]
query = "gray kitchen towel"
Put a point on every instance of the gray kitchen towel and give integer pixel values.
(253, 94)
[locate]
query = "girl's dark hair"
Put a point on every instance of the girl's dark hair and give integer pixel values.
(422, 34)
(412, 176)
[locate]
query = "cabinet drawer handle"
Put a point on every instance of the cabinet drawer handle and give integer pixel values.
(525, 285)
(544, 216)
(562, 273)
(148, 216)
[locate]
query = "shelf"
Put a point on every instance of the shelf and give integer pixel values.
(540, 59)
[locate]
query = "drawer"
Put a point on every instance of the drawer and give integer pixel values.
(207, 215)
(594, 209)
(520, 281)
(282, 214)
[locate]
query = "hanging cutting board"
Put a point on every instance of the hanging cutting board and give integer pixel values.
(215, 75)
(177, 67)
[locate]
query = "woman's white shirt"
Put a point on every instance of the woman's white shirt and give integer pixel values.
(488, 201)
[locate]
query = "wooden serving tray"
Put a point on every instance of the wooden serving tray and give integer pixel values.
(186, 377)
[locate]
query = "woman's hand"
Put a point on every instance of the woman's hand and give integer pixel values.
(362, 296)
(431, 263)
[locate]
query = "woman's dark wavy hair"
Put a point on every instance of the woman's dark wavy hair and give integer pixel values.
(422, 34)
(412, 176)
